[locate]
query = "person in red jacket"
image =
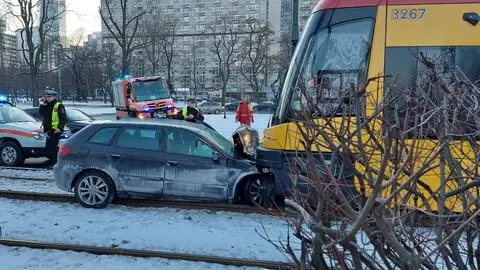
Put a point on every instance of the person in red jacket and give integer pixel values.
(244, 113)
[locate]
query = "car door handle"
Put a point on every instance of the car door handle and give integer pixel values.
(115, 156)
(172, 163)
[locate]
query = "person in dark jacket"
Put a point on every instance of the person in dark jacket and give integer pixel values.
(190, 113)
(54, 123)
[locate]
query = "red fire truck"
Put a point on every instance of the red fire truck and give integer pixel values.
(142, 97)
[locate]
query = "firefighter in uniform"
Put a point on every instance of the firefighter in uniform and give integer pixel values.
(244, 113)
(54, 123)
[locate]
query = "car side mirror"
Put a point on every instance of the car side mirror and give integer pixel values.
(215, 156)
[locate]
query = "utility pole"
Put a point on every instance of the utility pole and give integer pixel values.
(295, 33)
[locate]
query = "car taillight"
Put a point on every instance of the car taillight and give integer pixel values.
(64, 151)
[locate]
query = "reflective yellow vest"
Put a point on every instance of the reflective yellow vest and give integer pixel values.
(55, 120)
(184, 111)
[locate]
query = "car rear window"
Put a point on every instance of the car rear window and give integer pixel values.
(103, 136)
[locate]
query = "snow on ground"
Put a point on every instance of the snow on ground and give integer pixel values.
(227, 126)
(97, 111)
(92, 108)
(165, 229)
(40, 174)
(46, 186)
(69, 103)
(224, 126)
(33, 259)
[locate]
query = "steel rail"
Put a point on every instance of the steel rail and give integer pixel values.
(68, 198)
(24, 168)
(147, 254)
(25, 178)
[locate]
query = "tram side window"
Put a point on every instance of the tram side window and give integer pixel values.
(335, 65)
(409, 79)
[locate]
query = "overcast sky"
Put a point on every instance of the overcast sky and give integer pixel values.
(83, 14)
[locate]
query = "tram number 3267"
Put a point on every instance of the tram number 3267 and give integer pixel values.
(409, 14)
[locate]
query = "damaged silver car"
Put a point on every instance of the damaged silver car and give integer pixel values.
(161, 158)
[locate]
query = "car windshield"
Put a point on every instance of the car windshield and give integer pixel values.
(76, 115)
(221, 141)
(150, 90)
(14, 115)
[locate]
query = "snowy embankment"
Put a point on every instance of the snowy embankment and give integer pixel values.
(164, 229)
(34, 259)
(40, 173)
(41, 186)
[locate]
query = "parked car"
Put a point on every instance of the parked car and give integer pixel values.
(159, 158)
(20, 137)
(264, 106)
(230, 107)
(76, 119)
(210, 107)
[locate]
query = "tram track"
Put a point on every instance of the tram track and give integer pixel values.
(68, 198)
(25, 178)
(24, 168)
(147, 254)
(11, 173)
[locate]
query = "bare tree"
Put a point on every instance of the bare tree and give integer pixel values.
(151, 35)
(34, 30)
(123, 28)
(110, 67)
(193, 73)
(254, 54)
(278, 64)
(169, 29)
(395, 188)
(224, 47)
(85, 63)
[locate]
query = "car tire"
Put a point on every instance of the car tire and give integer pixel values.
(217, 111)
(94, 189)
(11, 154)
(252, 193)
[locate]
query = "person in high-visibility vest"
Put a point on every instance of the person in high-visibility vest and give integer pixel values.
(54, 122)
(244, 113)
(191, 113)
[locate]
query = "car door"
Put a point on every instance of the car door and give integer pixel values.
(137, 160)
(191, 171)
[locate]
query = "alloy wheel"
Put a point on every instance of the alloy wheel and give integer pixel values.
(93, 190)
(255, 191)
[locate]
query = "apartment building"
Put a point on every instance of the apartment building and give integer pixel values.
(194, 63)
(8, 45)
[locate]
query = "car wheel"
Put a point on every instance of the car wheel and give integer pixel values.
(94, 189)
(252, 193)
(11, 154)
(217, 111)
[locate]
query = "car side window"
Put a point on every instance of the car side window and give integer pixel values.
(103, 136)
(185, 143)
(139, 138)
